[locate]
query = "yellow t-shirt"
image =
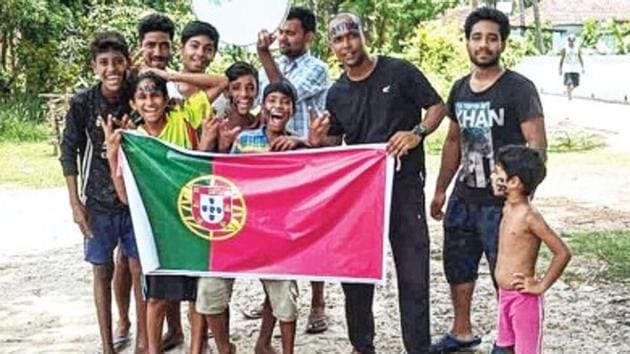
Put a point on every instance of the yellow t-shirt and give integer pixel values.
(194, 109)
(184, 120)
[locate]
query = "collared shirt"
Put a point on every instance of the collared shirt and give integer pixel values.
(309, 76)
(253, 140)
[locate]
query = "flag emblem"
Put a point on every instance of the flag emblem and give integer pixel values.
(212, 207)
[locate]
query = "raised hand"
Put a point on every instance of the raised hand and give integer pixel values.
(265, 39)
(284, 143)
(210, 132)
(113, 137)
(318, 128)
(227, 135)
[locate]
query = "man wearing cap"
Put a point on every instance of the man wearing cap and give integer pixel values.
(379, 99)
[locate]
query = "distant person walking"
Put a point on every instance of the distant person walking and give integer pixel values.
(571, 64)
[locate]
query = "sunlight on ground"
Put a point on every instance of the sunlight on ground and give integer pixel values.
(29, 165)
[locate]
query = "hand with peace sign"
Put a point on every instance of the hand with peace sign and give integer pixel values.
(210, 132)
(112, 129)
(318, 128)
(227, 135)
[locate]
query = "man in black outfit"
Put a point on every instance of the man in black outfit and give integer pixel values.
(380, 100)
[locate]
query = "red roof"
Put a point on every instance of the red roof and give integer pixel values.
(558, 12)
(573, 12)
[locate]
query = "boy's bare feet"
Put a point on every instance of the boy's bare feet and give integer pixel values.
(172, 340)
(122, 328)
(264, 349)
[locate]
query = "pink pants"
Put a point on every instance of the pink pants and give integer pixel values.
(520, 322)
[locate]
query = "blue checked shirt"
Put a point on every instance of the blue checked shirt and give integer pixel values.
(251, 141)
(309, 76)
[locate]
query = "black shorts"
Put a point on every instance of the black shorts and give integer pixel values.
(470, 230)
(572, 79)
(170, 287)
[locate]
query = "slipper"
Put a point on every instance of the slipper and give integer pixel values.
(253, 312)
(121, 342)
(450, 344)
(317, 323)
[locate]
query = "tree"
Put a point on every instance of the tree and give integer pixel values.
(539, 39)
(521, 15)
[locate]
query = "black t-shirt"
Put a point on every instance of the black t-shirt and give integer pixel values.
(84, 140)
(373, 109)
(489, 120)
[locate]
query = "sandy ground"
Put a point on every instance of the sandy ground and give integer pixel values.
(46, 287)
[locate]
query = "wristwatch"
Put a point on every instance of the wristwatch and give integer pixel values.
(420, 130)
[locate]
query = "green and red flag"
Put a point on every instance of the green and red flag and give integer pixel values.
(319, 214)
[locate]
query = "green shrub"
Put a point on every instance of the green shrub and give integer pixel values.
(594, 31)
(22, 119)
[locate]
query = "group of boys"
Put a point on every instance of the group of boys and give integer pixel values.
(496, 140)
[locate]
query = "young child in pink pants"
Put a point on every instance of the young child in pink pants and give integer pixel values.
(517, 173)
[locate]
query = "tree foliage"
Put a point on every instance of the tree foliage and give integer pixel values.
(44, 43)
(387, 23)
(595, 31)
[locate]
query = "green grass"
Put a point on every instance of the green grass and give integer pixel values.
(611, 247)
(17, 130)
(562, 141)
(29, 165)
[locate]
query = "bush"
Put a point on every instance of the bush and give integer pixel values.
(596, 31)
(22, 119)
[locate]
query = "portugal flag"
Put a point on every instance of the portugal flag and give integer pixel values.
(319, 214)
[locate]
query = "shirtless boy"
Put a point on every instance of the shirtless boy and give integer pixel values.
(517, 172)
